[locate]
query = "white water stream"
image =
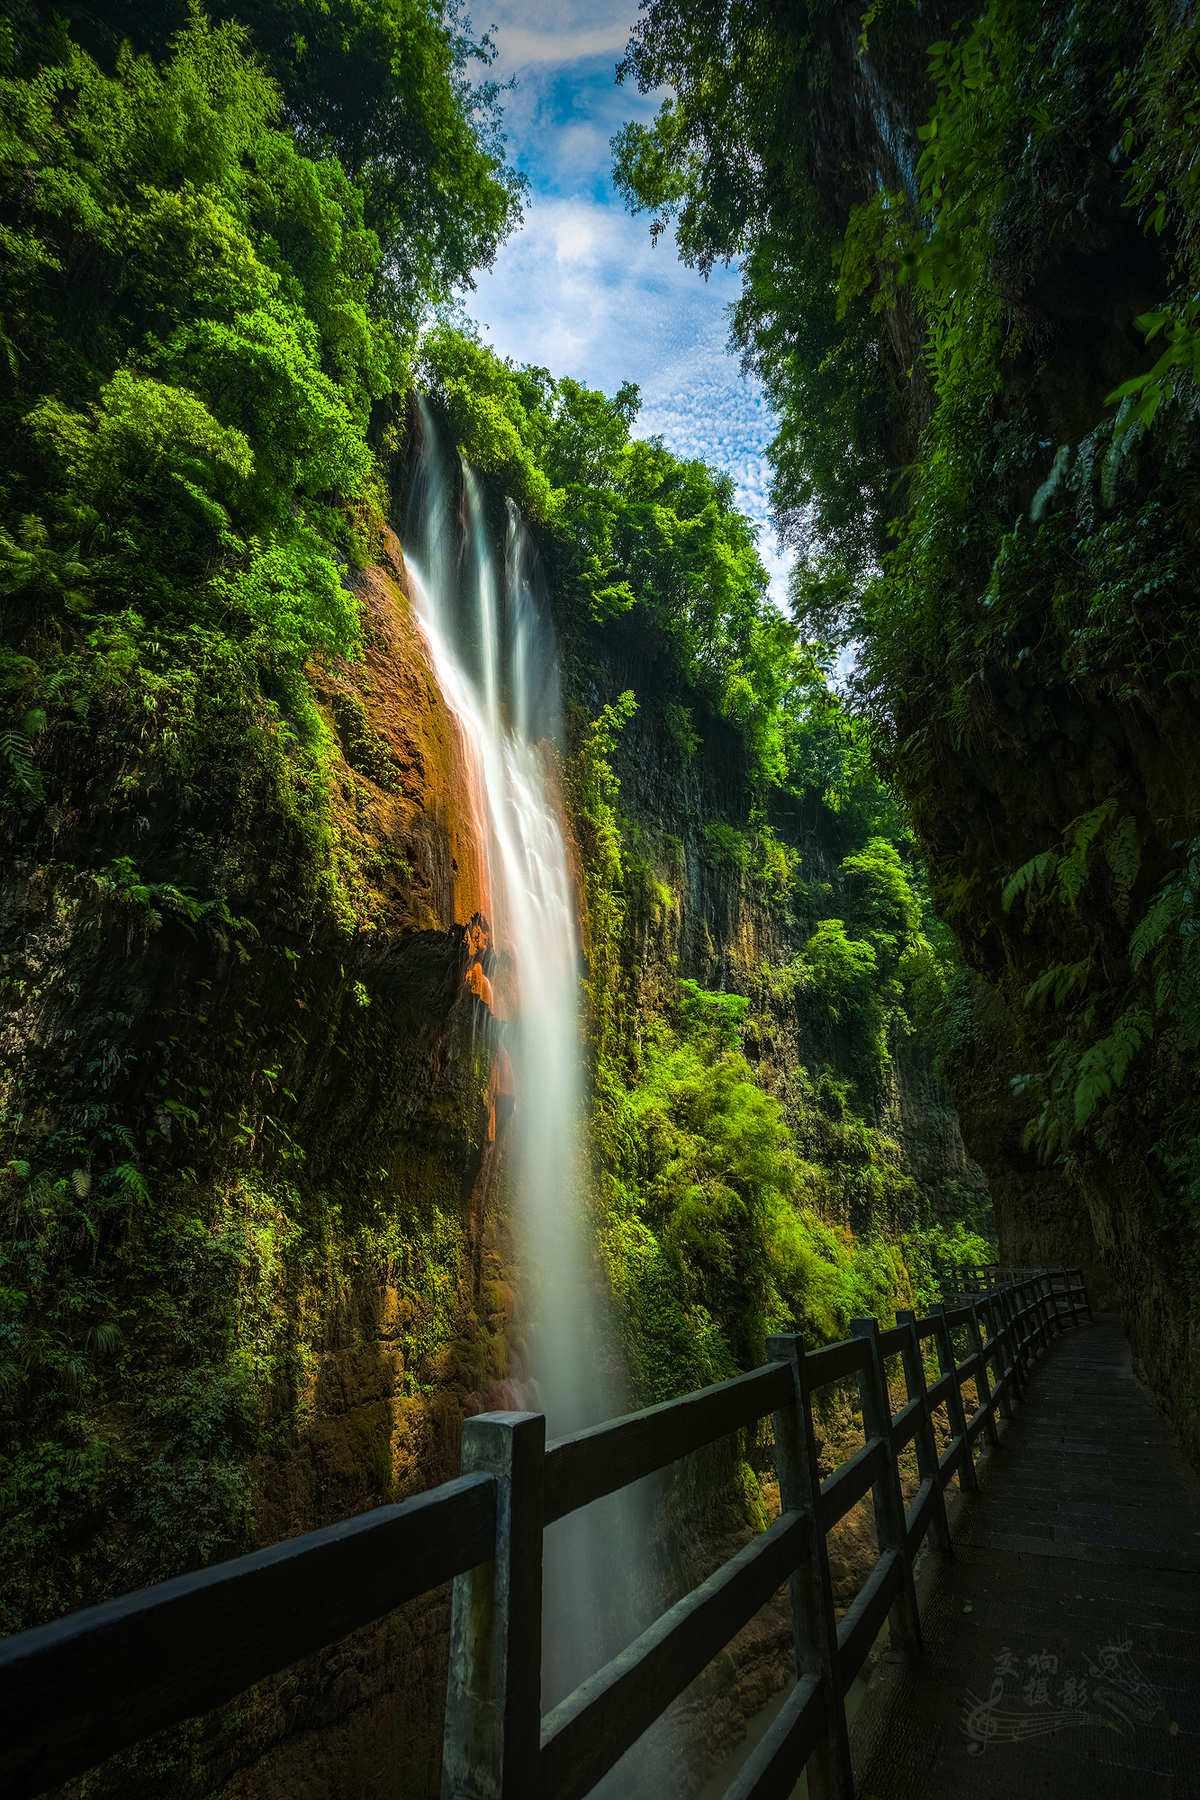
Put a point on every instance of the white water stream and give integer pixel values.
(477, 592)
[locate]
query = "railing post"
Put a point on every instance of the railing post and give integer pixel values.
(948, 1364)
(994, 1316)
(492, 1740)
(814, 1623)
(983, 1382)
(1087, 1298)
(926, 1443)
(1008, 1307)
(904, 1618)
(1028, 1325)
(1068, 1293)
(1043, 1287)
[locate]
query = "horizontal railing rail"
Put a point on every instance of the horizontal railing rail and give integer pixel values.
(74, 1692)
(81, 1688)
(496, 1739)
(598, 1461)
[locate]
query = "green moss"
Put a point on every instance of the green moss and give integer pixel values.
(724, 1207)
(364, 749)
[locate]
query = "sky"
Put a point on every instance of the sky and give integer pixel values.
(580, 289)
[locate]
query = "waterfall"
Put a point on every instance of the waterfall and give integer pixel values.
(479, 599)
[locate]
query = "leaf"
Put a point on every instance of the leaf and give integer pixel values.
(1163, 912)
(1123, 854)
(1103, 1066)
(17, 751)
(1134, 385)
(1151, 323)
(1049, 487)
(1073, 868)
(1035, 873)
(129, 1181)
(1056, 985)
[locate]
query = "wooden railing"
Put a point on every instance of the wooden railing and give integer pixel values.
(76, 1691)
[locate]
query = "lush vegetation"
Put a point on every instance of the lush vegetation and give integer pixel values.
(242, 1101)
(718, 1174)
(749, 1164)
(970, 243)
(214, 257)
(634, 528)
(202, 334)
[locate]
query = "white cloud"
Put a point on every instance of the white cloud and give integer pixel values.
(582, 291)
(556, 31)
(519, 47)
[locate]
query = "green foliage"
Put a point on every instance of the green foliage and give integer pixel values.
(387, 91)
(841, 970)
(189, 447)
(882, 893)
(217, 238)
(632, 529)
(1103, 1065)
(680, 724)
(727, 846)
(204, 318)
(717, 1183)
(362, 746)
(710, 1173)
(975, 312)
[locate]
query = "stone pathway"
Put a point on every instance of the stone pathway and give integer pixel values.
(1063, 1642)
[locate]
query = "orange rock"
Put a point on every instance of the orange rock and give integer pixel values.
(479, 984)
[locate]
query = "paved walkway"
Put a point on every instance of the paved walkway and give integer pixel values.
(1063, 1643)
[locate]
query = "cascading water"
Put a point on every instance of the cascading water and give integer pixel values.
(492, 648)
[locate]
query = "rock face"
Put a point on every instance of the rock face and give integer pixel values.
(698, 911)
(309, 1104)
(1029, 647)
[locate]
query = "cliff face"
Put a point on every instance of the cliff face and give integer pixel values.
(1056, 793)
(989, 446)
(302, 1292)
(705, 902)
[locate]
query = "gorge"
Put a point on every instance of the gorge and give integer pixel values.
(463, 945)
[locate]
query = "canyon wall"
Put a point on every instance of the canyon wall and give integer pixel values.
(969, 238)
(311, 1281)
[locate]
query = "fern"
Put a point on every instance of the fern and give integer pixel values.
(1103, 1066)
(129, 1182)
(1123, 854)
(1126, 432)
(1033, 874)
(1049, 487)
(106, 1336)
(16, 752)
(1055, 986)
(1164, 912)
(1073, 867)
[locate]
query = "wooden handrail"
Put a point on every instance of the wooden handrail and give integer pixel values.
(74, 1692)
(596, 1462)
(593, 1727)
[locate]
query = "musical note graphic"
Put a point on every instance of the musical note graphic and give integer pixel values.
(1119, 1698)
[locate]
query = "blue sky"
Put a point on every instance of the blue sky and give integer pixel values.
(580, 289)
